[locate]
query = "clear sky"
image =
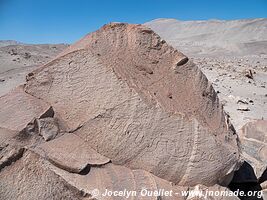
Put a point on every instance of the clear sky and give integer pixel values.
(65, 21)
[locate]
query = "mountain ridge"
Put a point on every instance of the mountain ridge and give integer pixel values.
(213, 37)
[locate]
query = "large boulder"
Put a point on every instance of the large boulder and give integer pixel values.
(140, 103)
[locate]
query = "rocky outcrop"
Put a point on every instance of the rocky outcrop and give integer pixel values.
(140, 103)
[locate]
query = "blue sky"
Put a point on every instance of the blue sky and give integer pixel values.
(65, 21)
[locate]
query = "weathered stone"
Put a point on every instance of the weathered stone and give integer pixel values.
(47, 127)
(29, 178)
(19, 108)
(127, 115)
(114, 178)
(254, 143)
(71, 153)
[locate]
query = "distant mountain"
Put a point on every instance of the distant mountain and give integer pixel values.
(214, 37)
(4, 43)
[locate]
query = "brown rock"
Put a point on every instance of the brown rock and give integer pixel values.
(254, 143)
(30, 178)
(140, 184)
(71, 153)
(100, 93)
(19, 108)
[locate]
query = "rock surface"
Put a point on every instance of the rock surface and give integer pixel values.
(19, 108)
(138, 103)
(225, 51)
(120, 109)
(71, 153)
(253, 138)
(28, 178)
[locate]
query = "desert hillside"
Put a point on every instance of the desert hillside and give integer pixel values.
(214, 37)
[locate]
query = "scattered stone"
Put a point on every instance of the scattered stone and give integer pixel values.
(243, 108)
(244, 101)
(27, 55)
(13, 52)
(249, 74)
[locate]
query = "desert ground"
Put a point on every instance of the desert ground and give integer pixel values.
(18, 59)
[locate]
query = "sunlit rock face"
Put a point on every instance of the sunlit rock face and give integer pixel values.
(140, 103)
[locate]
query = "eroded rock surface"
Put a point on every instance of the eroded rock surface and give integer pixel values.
(140, 103)
(19, 108)
(28, 178)
(253, 137)
(71, 153)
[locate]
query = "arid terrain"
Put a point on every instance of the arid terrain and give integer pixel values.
(17, 59)
(173, 105)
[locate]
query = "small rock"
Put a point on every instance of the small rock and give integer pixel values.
(243, 101)
(27, 55)
(13, 52)
(243, 108)
(249, 74)
(2, 80)
(48, 128)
